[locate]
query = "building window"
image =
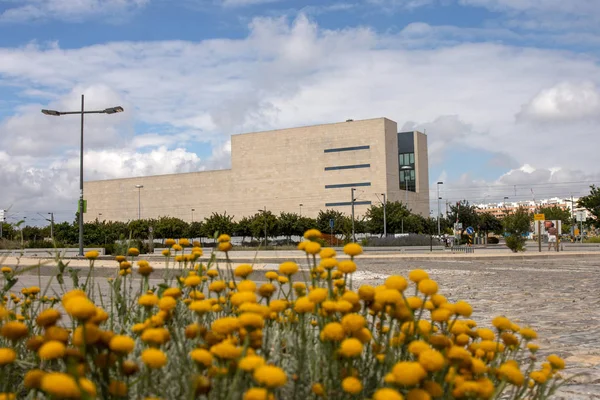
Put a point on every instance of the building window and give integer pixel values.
(407, 177)
(348, 167)
(336, 150)
(347, 185)
(348, 203)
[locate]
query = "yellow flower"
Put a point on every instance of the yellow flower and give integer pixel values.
(184, 242)
(533, 347)
(172, 292)
(396, 282)
(250, 363)
(463, 308)
(80, 308)
(225, 246)
(243, 297)
(317, 295)
(60, 385)
(246, 286)
(347, 266)
(318, 389)
(333, 331)
(226, 351)
(387, 296)
(154, 358)
(418, 394)
(418, 275)
(408, 373)
(7, 356)
(148, 300)
(351, 348)
(88, 386)
(328, 263)
(170, 242)
(538, 377)
(431, 360)
(501, 323)
(33, 379)
(202, 356)
(556, 361)
(301, 246)
(304, 305)
(117, 388)
(312, 234)
(167, 303)
(6, 270)
(251, 320)
(351, 384)
(192, 281)
(485, 334)
(48, 317)
(14, 330)
(327, 252)
(176, 247)
(387, 394)
(288, 268)
(133, 252)
(156, 336)
(278, 305)
(428, 287)
(225, 325)
(201, 307)
(528, 333)
(266, 289)
(457, 353)
(312, 248)
(511, 373)
(256, 394)
(270, 376)
(366, 293)
(271, 275)
(243, 270)
(121, 344)
(51, 350)
(223, 238)
(217, 286)
(92, 255)
(353, 249)
(166, 252)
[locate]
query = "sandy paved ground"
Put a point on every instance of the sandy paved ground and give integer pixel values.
(556, 296)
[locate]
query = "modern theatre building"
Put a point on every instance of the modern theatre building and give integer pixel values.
(301, 170)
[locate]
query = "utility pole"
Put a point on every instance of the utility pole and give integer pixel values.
(438, 207)
(352, 202)
(51, 226)
(2, 219)
(265, 214)
(301, 209)
(384, 216)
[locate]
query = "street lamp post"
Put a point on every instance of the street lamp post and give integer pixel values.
(438, 207)
(54, 113)
(139, 188)
(384, 216)
(405, 168)
(265, 217)
(193, 209)
(301, 209)
(352, 202)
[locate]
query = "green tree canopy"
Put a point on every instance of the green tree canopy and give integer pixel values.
(489, 223)
(464, 213)
(518, 222)
(218, 223)
(556, 213)
(591, 202)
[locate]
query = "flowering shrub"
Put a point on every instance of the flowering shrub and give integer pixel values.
(211, 333)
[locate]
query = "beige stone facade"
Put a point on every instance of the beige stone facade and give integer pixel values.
(301, 170)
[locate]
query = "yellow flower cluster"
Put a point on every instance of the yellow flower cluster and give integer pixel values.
(304, 332)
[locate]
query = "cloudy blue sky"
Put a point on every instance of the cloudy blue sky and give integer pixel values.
(507, 90)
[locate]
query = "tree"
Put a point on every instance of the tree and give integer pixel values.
(396, 212)
(243, 228)
(591, 202)
(170, 227)
(288, 224)
(338, 221)
(489, 223)
(262, 220)
(517, 224)
(218, 223)
(464, 213)
(195, 230)
(556, 213)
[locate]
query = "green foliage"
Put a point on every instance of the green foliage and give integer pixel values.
(466, 213)
(515, 243)
(591, 202)
(195, 230)
(288, 225)
(489, 223)
(243, 228)
(518, 222)
(340, 222)
(170, 227)
(261, 221)
(217, 223)
(493, 240)
(396, 212)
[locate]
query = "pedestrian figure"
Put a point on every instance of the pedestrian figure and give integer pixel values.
(552, 235)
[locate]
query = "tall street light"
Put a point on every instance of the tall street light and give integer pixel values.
(193, 209)
(265, 216)
(54, 113)
(405, 168)
(384, 216)
(301, 209)
(139, 188)
(438, 208)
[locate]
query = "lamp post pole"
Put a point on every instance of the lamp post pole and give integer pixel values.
(438, 207)
(301, 209)
(352, 202)
(54, 113)
(139, 188)
(193, 209)
(384, 216)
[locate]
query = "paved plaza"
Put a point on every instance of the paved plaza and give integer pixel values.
(556, 296)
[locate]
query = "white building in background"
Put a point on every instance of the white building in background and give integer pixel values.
(500, 209)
